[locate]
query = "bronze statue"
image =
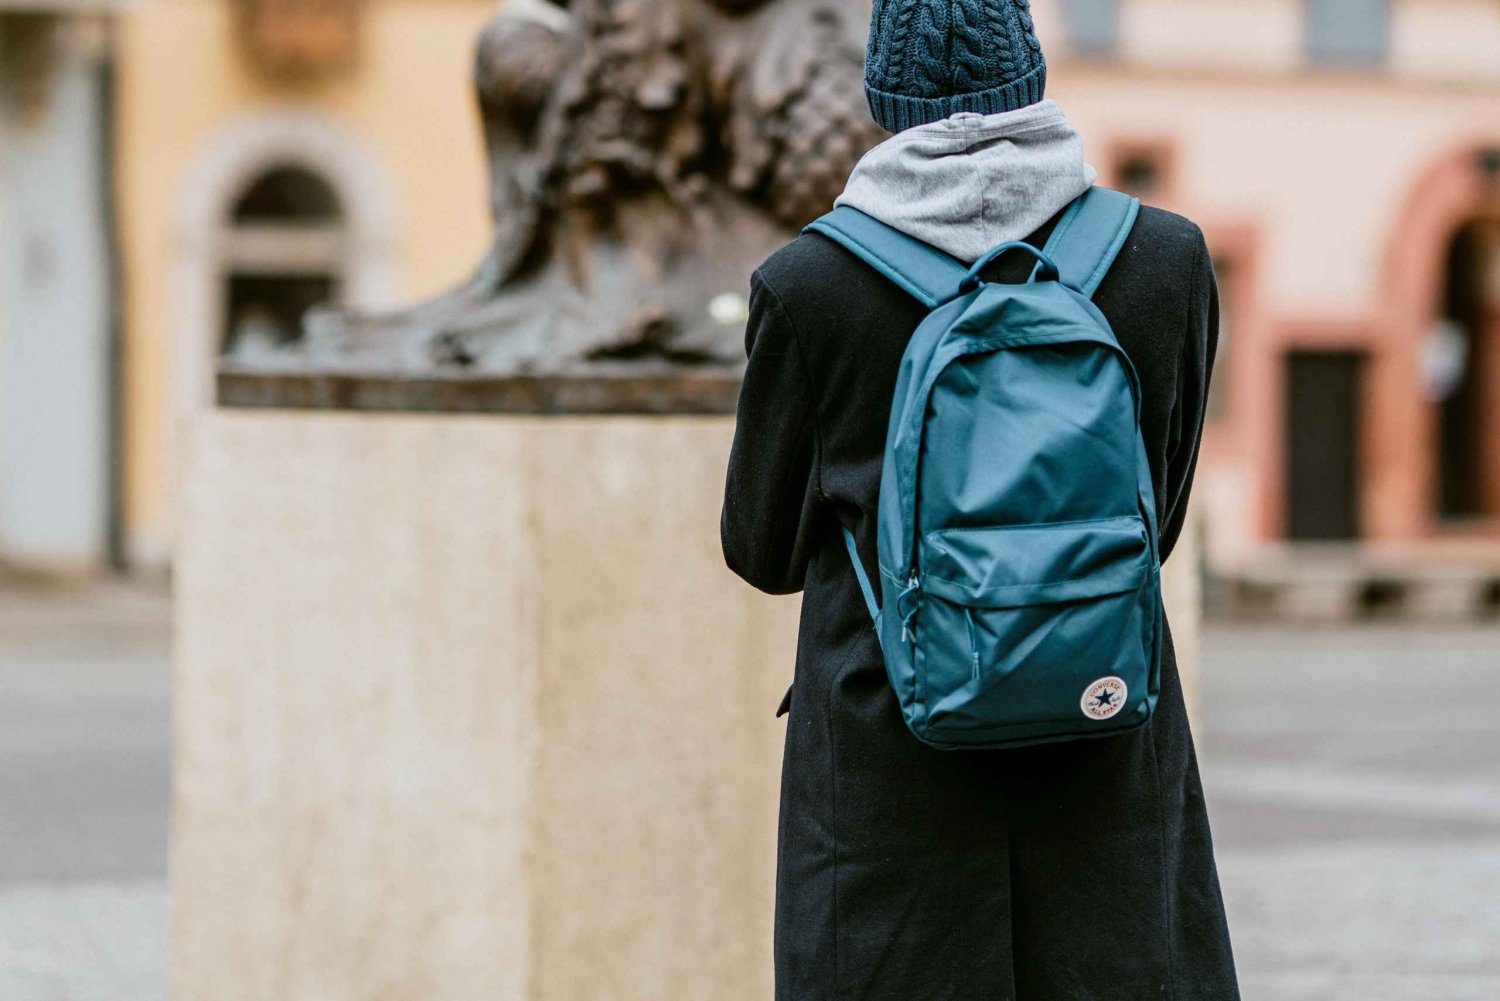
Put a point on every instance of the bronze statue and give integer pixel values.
(645, 156)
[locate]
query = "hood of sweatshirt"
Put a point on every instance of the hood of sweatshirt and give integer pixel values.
(971, 182)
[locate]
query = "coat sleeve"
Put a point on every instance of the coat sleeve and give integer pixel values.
(1194, 372)
(771, 491)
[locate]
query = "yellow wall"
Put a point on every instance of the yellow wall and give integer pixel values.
(182, 80)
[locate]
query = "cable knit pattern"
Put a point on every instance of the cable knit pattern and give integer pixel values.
(900, 36)
(929, 59)
(1028, 26)
(971, 64)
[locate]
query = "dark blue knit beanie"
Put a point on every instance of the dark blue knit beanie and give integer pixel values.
(928, 59)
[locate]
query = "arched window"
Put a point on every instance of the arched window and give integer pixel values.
(284, 251)
(278, 212)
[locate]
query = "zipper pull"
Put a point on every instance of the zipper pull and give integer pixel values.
(913, 586)
(973, 641)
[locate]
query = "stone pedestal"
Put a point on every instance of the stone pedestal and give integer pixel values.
(1182, 594)
(469, 708)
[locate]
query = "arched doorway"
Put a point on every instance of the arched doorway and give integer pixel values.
(1433, 440)
(283, 253)
(1463, 363)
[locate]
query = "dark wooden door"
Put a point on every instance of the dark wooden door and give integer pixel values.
(1322, 444)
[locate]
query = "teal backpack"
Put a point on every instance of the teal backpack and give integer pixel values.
(1017, 523)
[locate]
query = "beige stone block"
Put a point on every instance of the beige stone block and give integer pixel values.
(1182, 594)
(1445, 597)
(468, 707)
(1318, 597)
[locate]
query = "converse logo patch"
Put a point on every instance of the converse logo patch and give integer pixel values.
(1104, 698)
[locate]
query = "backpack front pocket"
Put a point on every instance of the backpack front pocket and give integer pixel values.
(1049, 626)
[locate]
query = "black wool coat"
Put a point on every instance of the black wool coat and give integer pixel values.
(1072, 871)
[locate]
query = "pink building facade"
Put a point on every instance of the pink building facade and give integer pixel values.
(1343, 159)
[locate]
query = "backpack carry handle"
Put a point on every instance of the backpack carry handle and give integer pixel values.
(1046, 268)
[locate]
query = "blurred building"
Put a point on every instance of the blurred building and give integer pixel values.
(1343, 157)
(192, 174)
(271, 154)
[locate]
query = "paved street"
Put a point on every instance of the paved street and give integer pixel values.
(1351, 775)
(84, 792)
(1356, 803)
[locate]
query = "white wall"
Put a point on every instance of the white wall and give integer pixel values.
(54, 310)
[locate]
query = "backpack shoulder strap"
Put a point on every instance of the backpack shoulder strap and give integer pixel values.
(927, 273)
(1090, 235)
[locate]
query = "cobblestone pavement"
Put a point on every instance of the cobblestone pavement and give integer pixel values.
(1352, 782)
(1350, 773)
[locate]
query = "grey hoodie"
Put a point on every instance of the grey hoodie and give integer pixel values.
(971, 182)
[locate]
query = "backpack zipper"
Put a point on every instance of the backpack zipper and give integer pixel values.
(913, 587)
(973, 639)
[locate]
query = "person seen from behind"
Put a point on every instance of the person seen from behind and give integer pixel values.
(1044, 866)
